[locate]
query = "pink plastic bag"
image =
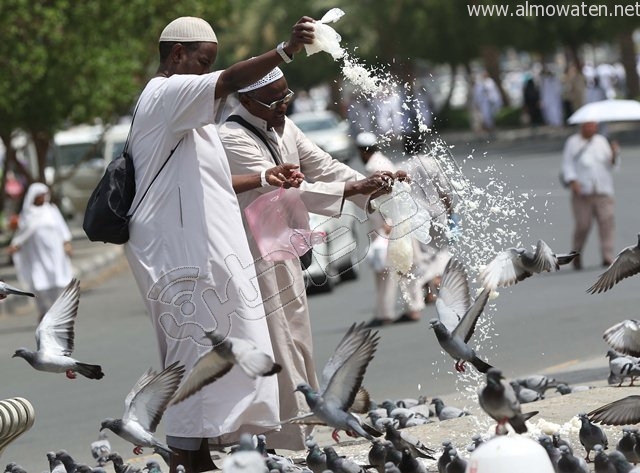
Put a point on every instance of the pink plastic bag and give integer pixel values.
(279, 222)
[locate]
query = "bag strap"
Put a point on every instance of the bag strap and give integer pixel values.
(157, 174)
(133, 117)
(581, 151)
(241, 121)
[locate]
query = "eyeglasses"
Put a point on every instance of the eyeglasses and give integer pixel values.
(275, 104)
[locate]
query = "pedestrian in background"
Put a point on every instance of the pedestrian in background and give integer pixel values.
(41, 247)
(587, 165)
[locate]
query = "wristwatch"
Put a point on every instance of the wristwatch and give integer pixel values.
(283, 54)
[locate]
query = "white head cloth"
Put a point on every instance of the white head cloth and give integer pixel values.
(188, 29)
(273, 76)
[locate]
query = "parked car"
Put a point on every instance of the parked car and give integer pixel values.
(327, 130)
(82, 153)
(339, 257)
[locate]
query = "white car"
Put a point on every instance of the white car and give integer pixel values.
(327, 130)
(339, 257)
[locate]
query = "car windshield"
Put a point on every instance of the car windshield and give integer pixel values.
(69, 155)
(317, 124)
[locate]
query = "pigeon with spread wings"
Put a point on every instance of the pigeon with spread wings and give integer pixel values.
(515, 264)
(144, 406)
(225, 353)
(626, 264)
(55, 339)
(457, 317)
(341, 386)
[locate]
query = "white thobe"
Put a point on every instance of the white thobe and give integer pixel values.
(282, 283)
(190, 257)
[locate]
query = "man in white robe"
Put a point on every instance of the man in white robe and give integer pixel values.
(187, 248)
(263, 105)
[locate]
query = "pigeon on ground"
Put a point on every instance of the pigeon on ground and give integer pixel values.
(341, 380)
(625, 411)
(244, 461)
(402, 439)
(55, 464)
(388, 468)
(316, 458)
(225, 353)
(6, 290)
(626, 445)
(552, 451)
(152, 467)
(457, 463)
(379, 422)
(523, 394)
(67, 460)
(500, 402)
(377, 455)
(120, 466)
(538, 382)
(565, 389)
(591, 435)
(411, 420)
(515, 264)
(622, 367)
(338, 464)
(614, 462)
(410, 464)
(457, 317)
(624, 337)
(55, 339)
(144, 406)
(568, 463)
(13, 467)
(476, 441)
(87, 469)
(445, 457)
(447, 412)
(393, 455)
(100, 449)
(558, 442)
(626, 264)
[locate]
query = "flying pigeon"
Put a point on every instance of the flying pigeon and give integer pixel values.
(341, 380)
(101, 448)
(591, 435)
(144, 406)
(625, 411)
(515, 264)
(225, 353)
(457, 318)
(498, 399)
(624, 337)
(626, 264)
(6, 290)
(55, 339)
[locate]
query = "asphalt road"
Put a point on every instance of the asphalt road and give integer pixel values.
(542, 322)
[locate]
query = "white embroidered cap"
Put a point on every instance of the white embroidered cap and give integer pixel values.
(366, 139)
(188, 29)
(273, 76)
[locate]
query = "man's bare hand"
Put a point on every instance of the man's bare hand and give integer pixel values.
(302, 33)
(285, 175)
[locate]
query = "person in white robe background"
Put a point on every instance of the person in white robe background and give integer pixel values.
(41, 247)
(263, 105)
(187, 249)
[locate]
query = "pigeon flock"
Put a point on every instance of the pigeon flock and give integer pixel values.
(343, 404)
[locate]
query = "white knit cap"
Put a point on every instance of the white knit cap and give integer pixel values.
(188, 29)
(366, 139)
(273, 76)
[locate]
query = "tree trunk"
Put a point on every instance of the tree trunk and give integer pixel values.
(9, 155)
(628, 58)
(491, 59)
(41, 140)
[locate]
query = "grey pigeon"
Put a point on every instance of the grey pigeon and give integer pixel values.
(476, 441)
(391, 468)
(625, 411)
(316, 458)
(623, 367)
(379, 422)
(618, 460)
(626, 445)
(565, 389)
(152, 466)
(342, 377)
(558, 442)
(591, 435)
(624, 337)
(525, 395)
(338, 464)
(6, 290)
(13, 467)
(552, 451)
(516, 264)
(377, 455)
(100, 449)
(87, 469)
(626, 264)
(602, 463)
(401, 439)
(225, 353)
(410, 420)
(69, 463)
(538, 382)
(500, 402)
(120, 466)
(55, 338)
(457, 317)
(568, 463)
(457, 463)
(144, 406)
(409, 464)
(55, 464)
(447, 412)
(393, 455)
(445, 457)
(248, 461)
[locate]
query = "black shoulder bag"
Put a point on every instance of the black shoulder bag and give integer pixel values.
(107, 215)
(307, 258)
